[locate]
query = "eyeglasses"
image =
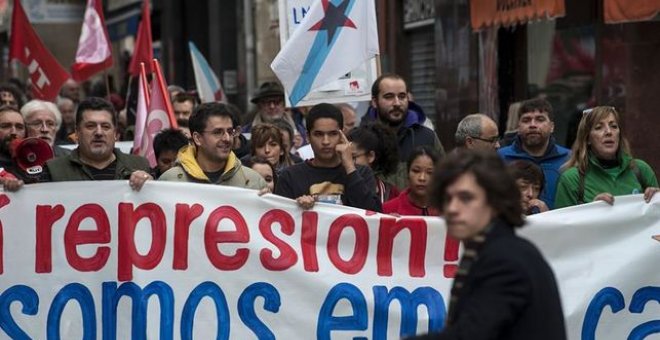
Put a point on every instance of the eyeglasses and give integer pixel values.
(271, 101)
(491, 140)
(39, 123)
(219, 133)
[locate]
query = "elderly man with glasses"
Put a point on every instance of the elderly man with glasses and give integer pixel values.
(477, 132)
(43, 120)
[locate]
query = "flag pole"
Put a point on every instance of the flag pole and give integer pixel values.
(378, 66)
(106, 75)
(161, 82)
(144, 84)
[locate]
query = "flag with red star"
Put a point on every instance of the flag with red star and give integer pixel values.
(335, 37)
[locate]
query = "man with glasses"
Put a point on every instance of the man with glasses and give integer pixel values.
(43, 120)
(535, 143)
(210, 159)
(269, 99)
(477, 132)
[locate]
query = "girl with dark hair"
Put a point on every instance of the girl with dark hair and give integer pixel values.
(375, 146)
(415, 199)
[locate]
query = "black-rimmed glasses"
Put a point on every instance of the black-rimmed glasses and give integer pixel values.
(219, 133)
(492, 140)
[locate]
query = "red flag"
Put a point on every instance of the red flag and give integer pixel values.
(94, 52)
(143, 52)
(160, 115)
(46, 74)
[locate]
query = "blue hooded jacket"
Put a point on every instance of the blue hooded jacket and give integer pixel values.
(555, 156)
(412, 133)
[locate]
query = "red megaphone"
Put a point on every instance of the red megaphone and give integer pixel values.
(30, 154)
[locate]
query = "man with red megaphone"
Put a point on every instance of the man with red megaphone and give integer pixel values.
(95, 158)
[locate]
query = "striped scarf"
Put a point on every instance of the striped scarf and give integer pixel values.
(470, 255)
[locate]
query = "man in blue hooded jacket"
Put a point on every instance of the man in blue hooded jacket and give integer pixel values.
(391, 106)
(536, 143)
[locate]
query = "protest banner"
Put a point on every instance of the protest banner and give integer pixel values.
(94, 259)
(97, 260)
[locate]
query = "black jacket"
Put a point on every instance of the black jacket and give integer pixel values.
(357, 190)
(509, 293)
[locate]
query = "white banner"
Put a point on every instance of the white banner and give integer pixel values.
(607, 263)
(96, 260)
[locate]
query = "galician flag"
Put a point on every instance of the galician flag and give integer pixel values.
(208, 85)
(335, 37)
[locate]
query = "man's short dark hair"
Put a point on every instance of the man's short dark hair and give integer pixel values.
(536, 104)
(324, 110)
(95, 104)
(375, 88)
(502, 193)
(169, 140)
(202, 113)
(527, 171)
(183, 97)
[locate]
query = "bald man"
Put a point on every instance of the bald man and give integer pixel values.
(477, 132)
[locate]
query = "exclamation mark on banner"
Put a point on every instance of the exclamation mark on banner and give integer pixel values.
(451, 255)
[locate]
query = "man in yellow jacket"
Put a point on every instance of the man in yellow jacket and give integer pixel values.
(210, 159)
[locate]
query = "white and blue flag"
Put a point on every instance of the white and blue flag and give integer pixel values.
(207, 83)
(334, 38)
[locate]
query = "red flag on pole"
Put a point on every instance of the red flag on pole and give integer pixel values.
(141, 113)
(160, 97)
(94, 52)
(46, 74)
(160, 114)
(143, 52)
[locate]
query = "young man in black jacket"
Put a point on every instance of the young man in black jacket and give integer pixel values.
(504, 288)
(331, 176)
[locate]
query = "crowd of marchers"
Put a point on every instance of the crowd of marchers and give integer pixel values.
(387, 160)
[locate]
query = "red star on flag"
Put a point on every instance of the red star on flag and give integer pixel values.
(335, 17)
